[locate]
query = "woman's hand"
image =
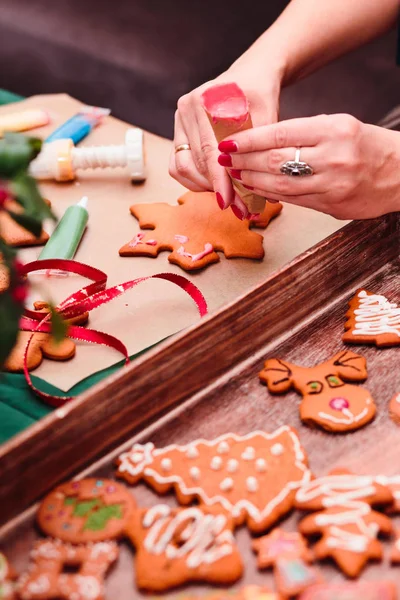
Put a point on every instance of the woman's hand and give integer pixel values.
(356, 166)
(198, 168)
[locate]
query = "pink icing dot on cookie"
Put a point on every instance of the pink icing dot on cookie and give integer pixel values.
(339, 403)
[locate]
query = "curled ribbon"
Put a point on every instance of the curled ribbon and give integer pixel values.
(85, 300)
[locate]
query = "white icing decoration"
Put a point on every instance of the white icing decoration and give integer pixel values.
(351, 418)
(223, 448)
(397, 398)
(232, 465)
(261, 465)
(236, 505)
(166, 464)
(139, 455)
(252, 484)
(277, 449)
(205, 541)
(226, 484)
(216, 463)
(249, 453)
(349, 493)
(88, 586)
(375, 315)
(192, 452)
(39, 586)
(195, 473)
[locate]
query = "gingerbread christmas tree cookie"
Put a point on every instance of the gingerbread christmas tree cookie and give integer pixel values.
(253, 477)
(195, 230)
(372, 319)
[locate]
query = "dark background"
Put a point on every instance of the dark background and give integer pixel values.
(139, 56)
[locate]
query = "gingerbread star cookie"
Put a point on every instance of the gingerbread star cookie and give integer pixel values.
(48, 576)
(195, 230)
(89, 510)
(372, 319)
(13, 233)
(41, 346)
(348, 525)
(254, 477)
(327, 400)
(180, 545)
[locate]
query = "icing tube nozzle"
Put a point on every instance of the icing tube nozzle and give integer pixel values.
(80, 125)
(60, 159)
(23, 120)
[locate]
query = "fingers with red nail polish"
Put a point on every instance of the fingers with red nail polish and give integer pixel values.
(228, 146)
(225, 160)
(221, 202)
(236, 174)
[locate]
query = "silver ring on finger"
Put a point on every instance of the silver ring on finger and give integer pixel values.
(296, 168)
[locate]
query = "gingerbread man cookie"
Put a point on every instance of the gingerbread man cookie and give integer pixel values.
(13, 233)
(41, 346)
(346, 521)
(7, 578)
(179, 545)
(355, 590)
(372, 319)
(254, 477)
(195, 230)
(288, 554)
(89, 510)
(46, 579)
(327, 400)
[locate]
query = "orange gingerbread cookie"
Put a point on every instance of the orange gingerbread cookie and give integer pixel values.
(393, 483)
(372, 319)
(247, 592)
(288, 554)
(13, 233)
(7, 577)
(41, 346)
(348, 525)
(253, 477)
(179, 545)
(354, 590)
(394, 408)
(327, 400)
(89, 510)
(395, 554)
(48, 577)
(195, 230)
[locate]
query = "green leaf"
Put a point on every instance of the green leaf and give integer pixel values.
(10, 314)
(27, 222)
(16, 152)
(58, 325)
(25, 191)
(98, 519)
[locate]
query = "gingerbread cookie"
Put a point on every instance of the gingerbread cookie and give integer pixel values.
(254, 477)
(346, 521)
(359, 590)
(13, 233)
(179, 545)
(327, 401)
(372, 319)
(7, 578)
(393, 483)
(48, 577)
(89, 510)
(394, 408)
(288, 554)
(195, 230)
(41, 346)
(247, 592)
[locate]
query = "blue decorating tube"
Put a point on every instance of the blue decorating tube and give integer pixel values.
(80, 125)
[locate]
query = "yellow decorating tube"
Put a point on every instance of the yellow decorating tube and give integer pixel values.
(23, 120)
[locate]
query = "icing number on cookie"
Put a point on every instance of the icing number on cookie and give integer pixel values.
(203, 536)
(376, 315)
(348, 493)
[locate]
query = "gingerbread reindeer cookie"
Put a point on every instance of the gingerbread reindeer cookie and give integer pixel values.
(346, 521)
(195, 230)
(176, 546)
(327, 400)
(48, 577)
(372, 319)
(89, 510)
(253, 477)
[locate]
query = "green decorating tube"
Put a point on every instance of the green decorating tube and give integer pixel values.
(66, 237)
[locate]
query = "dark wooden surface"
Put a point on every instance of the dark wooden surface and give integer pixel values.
(210, 376)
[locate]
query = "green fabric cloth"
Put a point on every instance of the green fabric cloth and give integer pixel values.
(8, 97)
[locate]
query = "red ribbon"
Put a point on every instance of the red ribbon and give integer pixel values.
(85, 300)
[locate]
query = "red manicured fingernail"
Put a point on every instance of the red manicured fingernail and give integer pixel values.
(236, 173)
(228, 146)
(237, 212)
(225, 160)
(220, 200)
(248, 187)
